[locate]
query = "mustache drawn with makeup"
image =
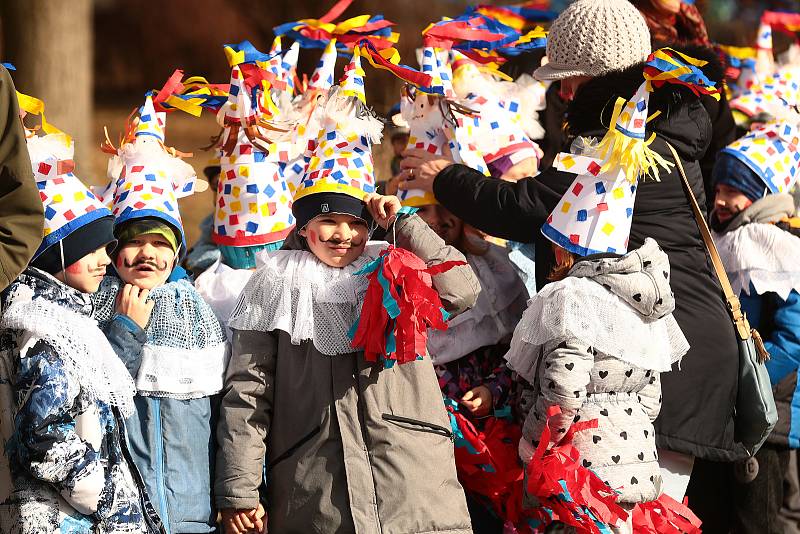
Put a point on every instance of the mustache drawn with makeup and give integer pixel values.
(340, 243)
(146, 262)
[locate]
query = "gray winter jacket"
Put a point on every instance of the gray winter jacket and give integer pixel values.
(588, 383)
(351, 446)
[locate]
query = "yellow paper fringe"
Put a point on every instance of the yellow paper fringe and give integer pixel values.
(633, 156)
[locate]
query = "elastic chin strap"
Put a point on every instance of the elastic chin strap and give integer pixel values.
(63, 267)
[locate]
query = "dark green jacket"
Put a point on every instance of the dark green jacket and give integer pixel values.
(21, 211)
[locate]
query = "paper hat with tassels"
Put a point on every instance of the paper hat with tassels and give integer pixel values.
(435, 64)
(68, 204)
(340, 159)
(323, 77)
(594, 215)
(284, 64)
(254, 200)
(764, 38)
(771, 152)
(148, 179)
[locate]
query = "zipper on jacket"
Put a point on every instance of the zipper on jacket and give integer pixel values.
(425, 426)
(158, 437)
(291, 450)
(149, 513)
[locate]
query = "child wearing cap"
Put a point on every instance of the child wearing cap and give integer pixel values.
(173, 345)
(593, 343)
(64, 394)
(349, 445)
(753, 220)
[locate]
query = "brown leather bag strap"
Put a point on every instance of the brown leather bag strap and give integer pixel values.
(734, 307)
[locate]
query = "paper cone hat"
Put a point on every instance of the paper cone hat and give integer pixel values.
(435, 64)
(323, 77)
(771, 152)
(340, 158)
(149, 181)
(764, 38)
(240, 108)
(776, 94)
(595, 213)
(68, 204)
(150, 122)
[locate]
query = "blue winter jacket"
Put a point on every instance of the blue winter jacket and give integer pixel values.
(172, 442)
(778, 322)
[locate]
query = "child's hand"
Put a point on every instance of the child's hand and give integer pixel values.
(243, 521)
(132, 301)
(478, 401)
(382, 208)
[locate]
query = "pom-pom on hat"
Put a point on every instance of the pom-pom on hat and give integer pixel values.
(771, 152)
(593, 37)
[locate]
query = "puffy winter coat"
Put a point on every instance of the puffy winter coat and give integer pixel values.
(65, 466)
(697, 413)
(602, 363)
(351, 446)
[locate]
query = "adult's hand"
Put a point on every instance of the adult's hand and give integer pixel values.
(420, 168)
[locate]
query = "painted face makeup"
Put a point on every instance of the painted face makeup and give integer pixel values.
(145, 261)
(336, 239)
(86, 274)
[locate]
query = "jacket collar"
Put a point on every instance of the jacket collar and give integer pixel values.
(34, 284)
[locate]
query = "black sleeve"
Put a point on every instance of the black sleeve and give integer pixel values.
(507, 210)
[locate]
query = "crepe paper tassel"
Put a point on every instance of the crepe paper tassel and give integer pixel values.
(782, 21)
(244, 52)
(469, 32)
(487, 460)
(567, 491)
(191, 96)
(399, 307)
(669, 66)
(389, 59)
(665, 515)
(9, 66)
(515, 16)
(34, 106)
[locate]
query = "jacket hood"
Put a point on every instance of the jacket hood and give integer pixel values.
(640, 278)
(767, 210)
(683, 121)
(35, 284)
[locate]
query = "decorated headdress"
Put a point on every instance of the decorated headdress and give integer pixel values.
(148, 178)
(773, 95)
(322, 78)
(253, 201)
(594, 215)
(340, 159)
(771, 152)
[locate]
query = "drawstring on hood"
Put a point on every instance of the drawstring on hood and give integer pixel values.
(640, 278)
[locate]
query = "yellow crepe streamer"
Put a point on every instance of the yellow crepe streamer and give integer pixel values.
(632, 155)
(34, 106)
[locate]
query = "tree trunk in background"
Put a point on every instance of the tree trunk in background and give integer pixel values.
(50, 44)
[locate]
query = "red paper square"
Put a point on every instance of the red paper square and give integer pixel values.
(44, 168)
(574, 239)
(577, 189)
(602, 206)
(69, 215)
(594, 168)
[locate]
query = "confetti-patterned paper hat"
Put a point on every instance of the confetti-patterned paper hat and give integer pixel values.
(764, 39)
(771, 152)
(776, 94)
(340, 159)
(323, 77)
(253, 202)
(435, 64)
(595, 213)
(148, 179)
(68, 204)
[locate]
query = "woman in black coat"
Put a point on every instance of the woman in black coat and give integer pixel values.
(698, 401)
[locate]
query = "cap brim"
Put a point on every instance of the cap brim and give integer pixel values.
(550, 72)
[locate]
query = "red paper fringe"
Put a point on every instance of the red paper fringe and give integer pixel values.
(665, 515)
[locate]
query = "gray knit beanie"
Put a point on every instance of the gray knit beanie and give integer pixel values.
(593, 37)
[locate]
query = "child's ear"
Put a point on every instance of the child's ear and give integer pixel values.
(302, 232)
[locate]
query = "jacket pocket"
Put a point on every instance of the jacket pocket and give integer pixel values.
(417, 425)
(291, 450)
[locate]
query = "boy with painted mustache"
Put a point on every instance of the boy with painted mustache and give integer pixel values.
(167, 336)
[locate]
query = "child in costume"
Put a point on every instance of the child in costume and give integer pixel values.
(755, 233)
(468, 358)
(64, 394)
(351, 445)
(593, 343)
(178, 356)
(259, 168)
